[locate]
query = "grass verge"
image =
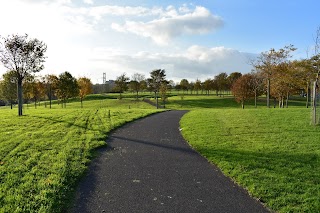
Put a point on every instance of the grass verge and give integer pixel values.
(273, 153)
(44, 153)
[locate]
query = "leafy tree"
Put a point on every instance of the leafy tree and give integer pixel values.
(268, 62)
(242, 89)
(27, 89)
(207, 85)
(197, 86)
(257, 86)
(163, 92)
(51, 84)
(157, 77)
(121, 84)
(184, 85)
(191, 87)
(8, 88)
(85, 88)
(137, 83)
(37, 91)
(221, 82)
(232, 78)
(171, 85)
(23, 56)
(67, 87)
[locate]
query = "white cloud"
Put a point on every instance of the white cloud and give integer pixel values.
(173, 24)
(192, 63)
(77, 43)
(88, 1)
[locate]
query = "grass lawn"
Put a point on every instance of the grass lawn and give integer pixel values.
(44, 153)
(273, 153)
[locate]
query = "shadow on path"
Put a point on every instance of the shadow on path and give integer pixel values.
(149, 167)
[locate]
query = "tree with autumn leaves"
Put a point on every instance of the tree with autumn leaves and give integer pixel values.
(85, 88)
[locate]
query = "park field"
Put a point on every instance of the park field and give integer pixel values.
(44, 153)
(273, 153)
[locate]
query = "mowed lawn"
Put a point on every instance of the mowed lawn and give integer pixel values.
(44, 153)
(273, 153)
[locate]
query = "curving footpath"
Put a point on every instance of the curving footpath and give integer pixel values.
(148, 167)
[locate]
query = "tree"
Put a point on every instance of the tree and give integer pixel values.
(221, 82)
(157, 77)
(242, 89)
(37, 90)
(121, 84)
(85, 88)
(23, 56)
(51, 84)
(232, 78)
(8, 88)
(268, 62)
(163, 92)
(67, 87)
(257, 86)
(137, 83)
(197, 86)
(184, 85)
(207, 85)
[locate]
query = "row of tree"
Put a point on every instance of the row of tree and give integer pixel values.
(275, 76)
(157, 83)
(138, 83)
(49, 87)
(278, 77)
(24, 57)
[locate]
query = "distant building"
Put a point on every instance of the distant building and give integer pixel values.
(104, 88)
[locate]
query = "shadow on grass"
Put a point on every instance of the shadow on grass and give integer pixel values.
(228, 102)
(283, 180)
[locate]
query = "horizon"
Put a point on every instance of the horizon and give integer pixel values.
(189, 39)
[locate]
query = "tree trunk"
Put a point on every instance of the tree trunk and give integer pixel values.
(307, 104)
(11, 104)
(287, 99)
(157, 100)
(20, 98)
(50, 96)
(255, 98)
(242, 104)
(35, 103)
(268, 93)
(81, 102)
(314, 104)
(137, 94)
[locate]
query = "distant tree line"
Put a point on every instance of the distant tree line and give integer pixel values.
(47, 88)
(275, 75)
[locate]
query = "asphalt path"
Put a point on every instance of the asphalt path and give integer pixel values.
(149, 167)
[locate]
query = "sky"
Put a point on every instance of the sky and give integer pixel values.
(189, 39)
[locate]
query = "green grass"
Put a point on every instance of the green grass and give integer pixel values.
(192, 102)
(44, 153)
(273, 153)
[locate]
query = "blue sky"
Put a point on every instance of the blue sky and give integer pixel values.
(190, 39)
